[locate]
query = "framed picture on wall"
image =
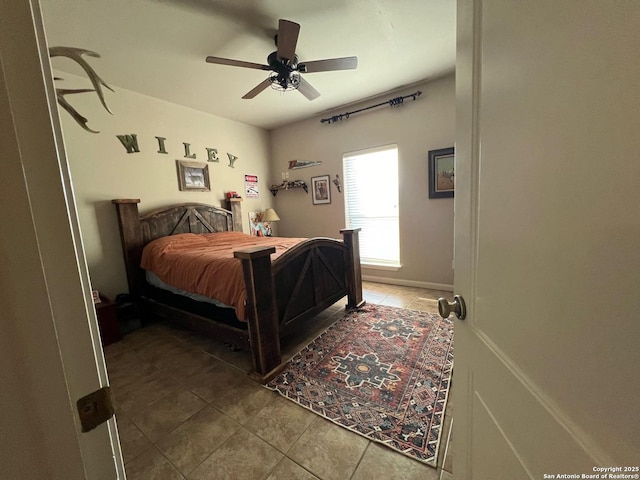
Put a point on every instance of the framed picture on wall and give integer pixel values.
(320, 190)
(257, 227)
(193, 176)
(441, 173)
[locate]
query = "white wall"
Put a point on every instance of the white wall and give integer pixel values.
(43, 308)
(30, 366)
(426, 225)
(102, 170)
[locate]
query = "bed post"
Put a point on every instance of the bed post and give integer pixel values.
(131, 238)
(262, 318)
(354, 271)
(235, 207)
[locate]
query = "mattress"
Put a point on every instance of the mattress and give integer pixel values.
(204, 264)
(153, 279)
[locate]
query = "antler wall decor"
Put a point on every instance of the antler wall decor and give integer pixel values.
(75, 54)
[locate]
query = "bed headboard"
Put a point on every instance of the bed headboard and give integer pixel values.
(137, 230)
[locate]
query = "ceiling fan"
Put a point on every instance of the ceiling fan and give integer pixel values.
(284, 66)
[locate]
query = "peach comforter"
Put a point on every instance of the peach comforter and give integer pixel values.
(204, 263)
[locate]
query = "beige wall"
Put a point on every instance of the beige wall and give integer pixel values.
(426, 225)
(102, 170)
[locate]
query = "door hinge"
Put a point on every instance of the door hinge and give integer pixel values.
(95, 409)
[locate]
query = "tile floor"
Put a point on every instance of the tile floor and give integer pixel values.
(186, 410)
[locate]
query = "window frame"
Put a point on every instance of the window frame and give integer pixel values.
(354, 221)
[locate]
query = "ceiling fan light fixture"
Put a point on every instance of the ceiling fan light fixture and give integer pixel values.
(284, 84)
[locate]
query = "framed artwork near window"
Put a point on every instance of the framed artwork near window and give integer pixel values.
(321, 190)
(441, 173)
(193, 176)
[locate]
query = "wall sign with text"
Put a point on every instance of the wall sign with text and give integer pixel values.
(251, 186)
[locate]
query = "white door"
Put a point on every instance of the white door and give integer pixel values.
(547, 238)
(50, 342)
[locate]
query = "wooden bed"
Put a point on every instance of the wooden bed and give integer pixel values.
(281, 294)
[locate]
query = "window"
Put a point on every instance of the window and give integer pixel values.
(371, 203)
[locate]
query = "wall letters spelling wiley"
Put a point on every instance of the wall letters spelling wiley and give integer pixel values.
(130, 143)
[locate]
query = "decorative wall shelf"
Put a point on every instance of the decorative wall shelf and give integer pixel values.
(288, 185)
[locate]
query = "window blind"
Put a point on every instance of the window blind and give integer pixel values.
(371, 203)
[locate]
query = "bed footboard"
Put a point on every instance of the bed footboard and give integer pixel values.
(302, 282)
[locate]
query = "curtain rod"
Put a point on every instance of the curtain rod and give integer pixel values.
(394, 102)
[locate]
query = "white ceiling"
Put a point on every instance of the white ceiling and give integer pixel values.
(158, 48)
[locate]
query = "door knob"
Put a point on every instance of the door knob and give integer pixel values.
(458, 307)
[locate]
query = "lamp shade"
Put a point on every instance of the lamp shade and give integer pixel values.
(270, 215)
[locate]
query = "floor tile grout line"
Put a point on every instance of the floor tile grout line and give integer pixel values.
(301, 434)
(235, 367)
(214, 406)
(170, 462)
(185, 475)
(360, 459)
(318, 418)
(155, 401)
(207, 404)
(191, 389)
(164, 435)
(155, 444)
(151, 444)
(285, 453)
(284, 456)
(268, 474)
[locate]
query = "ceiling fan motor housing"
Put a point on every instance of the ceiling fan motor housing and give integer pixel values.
(286, 72)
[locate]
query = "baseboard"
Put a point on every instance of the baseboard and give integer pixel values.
(408, 283)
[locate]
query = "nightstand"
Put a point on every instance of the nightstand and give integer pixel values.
(108, 321)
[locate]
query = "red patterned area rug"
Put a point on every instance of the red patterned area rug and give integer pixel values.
(382, 372)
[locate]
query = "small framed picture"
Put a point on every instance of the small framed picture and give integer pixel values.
(96, 296)
(257, 226)
(321, 189)
(193, 176)
(441, 173)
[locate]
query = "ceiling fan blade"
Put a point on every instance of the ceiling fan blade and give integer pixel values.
(345, 63)
(237, 63)
(260, 87)
(287, 39)
(307, 90)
